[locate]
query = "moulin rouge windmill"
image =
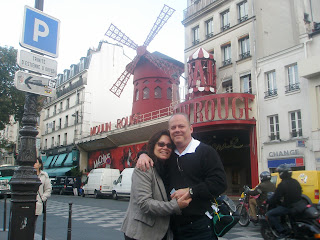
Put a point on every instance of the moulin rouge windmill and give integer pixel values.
(156, 70)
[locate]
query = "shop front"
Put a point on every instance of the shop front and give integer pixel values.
(60, 161)
(227, 123)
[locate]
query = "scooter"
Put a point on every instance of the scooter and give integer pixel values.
(304, 225)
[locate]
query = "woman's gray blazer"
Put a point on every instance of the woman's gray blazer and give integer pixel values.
(149, 211)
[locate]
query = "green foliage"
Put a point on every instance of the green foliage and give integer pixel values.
(75, 172)
(11, 99)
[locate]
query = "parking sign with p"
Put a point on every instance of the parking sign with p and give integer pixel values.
(40, 32)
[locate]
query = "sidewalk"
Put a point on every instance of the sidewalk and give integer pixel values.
(4, 236)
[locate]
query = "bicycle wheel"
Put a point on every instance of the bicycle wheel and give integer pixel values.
(244, 216)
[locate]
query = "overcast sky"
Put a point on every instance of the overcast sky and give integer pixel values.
(84, 23)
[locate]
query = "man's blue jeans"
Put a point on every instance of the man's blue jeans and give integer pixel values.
(202, 229)
(274, 217)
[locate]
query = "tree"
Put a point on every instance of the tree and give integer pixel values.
(11, 99)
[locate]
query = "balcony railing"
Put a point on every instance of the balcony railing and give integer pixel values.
(244, 55)
(225, 27)
(209, 35)
(242, 19)
(195, 42)
(296, 133)
(196, 7)
(226, 62)
(271, 93)
(274, 137)
(292, 87)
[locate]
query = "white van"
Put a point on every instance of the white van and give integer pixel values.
(122, 186)
(100, 181)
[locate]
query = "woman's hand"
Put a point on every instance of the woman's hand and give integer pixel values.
(184, 200)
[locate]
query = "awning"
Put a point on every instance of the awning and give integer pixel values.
(54, 160)
(54, 172)
(47, 162)
(59, 161)
(69, 160)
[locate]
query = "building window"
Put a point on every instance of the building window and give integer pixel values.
(58, 140)
(52, 142)
(45, 143)
(225, 24)
(293, 78)
(209, 28)
(169, 93)
(195, 35)
(244, 46)
(65, 139)
(68, 103)
(274, 127)
(246, 83)
(157, 92)
(271, 84)
(48, 112)
(137, 95)
(60, 123)
(54, 109)
(53, 126)
(227, 86)
(61, 105)
(66, 123)
(78, 98)
(296, 125)
(243, 11)
(77, 117)
(146, 93)
(47, 127)
(226, 54)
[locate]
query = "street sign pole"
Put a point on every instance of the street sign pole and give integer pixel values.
(25, 182)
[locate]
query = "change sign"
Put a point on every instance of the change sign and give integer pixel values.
(34, 84)
(40, 32)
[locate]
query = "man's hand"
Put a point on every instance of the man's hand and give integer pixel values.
(179, 193)
(184, 201)
(144, 162)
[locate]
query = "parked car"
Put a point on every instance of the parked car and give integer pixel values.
(64, 184)
(6, 173)
(99, 182)
(309, 181)
(122, 186)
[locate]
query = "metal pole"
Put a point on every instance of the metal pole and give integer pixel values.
(25, 182)
(69, 222)
(44, 224)
(5, 213)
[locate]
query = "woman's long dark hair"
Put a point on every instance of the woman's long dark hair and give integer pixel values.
(40, 162)
(159, 165)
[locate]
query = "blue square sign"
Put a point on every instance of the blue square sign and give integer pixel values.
(40, 32)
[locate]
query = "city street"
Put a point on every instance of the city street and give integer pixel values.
(98, 219)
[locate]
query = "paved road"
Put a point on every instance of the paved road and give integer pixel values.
(99, 219)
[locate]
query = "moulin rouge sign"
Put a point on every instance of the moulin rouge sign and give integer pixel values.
(214, 107)
(232, 107)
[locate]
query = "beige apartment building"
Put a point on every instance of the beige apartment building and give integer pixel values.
(270, 49)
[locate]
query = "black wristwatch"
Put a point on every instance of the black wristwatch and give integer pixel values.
(191, 192)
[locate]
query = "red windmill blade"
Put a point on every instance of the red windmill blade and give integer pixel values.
(116, 34)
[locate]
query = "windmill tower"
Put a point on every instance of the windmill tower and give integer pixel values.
(201, 74)
(155, 75)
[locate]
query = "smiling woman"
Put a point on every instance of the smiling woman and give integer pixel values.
(149, 210)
